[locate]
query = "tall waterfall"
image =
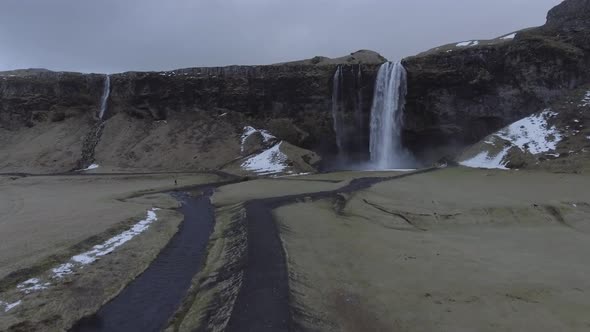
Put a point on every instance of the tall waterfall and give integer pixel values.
(105, 96)
(360, 123)
(338, 108)
(387, 115)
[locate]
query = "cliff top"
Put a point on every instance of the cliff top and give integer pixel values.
(462, 45)
(568, 15)
(358, 57)
(24, 72)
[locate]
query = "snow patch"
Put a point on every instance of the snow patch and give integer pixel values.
(32, 285)
(532, 133)
(468, 43)
(585, 100)
(270, 161)
(107, 247)
(167, 73)
(510, 36)
(36, 284)
(248, 131)
(291, 174)
(484, 160)
(91, 167)
(9, 306)
(63, 270)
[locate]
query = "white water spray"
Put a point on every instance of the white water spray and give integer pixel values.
(337, 108)
(360, 123)
(105, 96)
(387, 117)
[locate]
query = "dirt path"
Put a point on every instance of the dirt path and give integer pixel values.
(263, 300)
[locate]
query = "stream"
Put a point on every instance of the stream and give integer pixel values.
(150, 300)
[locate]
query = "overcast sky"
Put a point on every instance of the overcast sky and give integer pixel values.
(121, 35)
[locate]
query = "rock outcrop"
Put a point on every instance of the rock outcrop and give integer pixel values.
(460, 93)
(555, 139)
(45, 117)
(30, 97)
(570, 15)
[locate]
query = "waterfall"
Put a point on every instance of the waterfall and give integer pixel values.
(387, 116)
(105, 96)
(360, 123)
(337, 108)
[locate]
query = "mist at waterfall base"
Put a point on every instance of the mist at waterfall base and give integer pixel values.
(385, 145)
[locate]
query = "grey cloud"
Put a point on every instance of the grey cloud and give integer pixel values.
(120, 35)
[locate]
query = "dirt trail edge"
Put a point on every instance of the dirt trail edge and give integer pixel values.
(263, 300)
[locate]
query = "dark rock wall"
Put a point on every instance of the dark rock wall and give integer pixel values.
(570, 14)
(300, 94)
(47, 96)
(294, 101)
(457, 97)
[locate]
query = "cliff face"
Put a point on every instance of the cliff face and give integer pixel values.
(459, 94)
(45, 117)
(570, 15)
(30, 97)
(182, 119)
(274, 97)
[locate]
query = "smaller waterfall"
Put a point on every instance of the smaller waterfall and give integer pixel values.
(105, 96)
(337, 108)
(387, 117)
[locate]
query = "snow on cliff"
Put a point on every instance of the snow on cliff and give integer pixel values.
(270, 161)
(532, 134)
(249, 131)
(468, 43)
(510, 36)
